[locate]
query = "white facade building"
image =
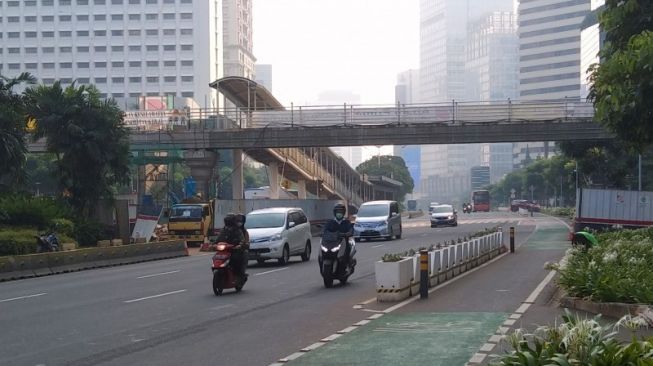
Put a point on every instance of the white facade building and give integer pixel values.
(239, 59)
(127, 48)
(591, 40)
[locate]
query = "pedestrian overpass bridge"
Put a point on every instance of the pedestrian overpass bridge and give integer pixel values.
(295, 140)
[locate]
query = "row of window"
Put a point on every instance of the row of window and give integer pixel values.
(27, 3)
(103, 65)
(97, 49)
(99, 17)
(100, 33)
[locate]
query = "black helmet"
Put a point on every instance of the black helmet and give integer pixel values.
(339, 207)
(230, 220)
(241, 218)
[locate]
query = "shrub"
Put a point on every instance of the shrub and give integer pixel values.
(391, 257)
(578, 342)
(17, 241)
(64, 227)
(617, 270)
(21, 210)
(88, 233)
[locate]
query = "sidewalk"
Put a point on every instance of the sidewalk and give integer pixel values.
(458, 319)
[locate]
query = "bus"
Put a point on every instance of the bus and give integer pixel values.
(480, 201)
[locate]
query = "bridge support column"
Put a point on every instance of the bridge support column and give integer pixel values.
(274, 180)
(202, 165)
(237, 175)
(301, 189)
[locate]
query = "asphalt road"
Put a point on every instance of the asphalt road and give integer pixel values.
(164, 313)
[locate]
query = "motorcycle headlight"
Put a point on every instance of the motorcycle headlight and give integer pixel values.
(324, 249)
(221, 247)
(450, 217)
(335, 249)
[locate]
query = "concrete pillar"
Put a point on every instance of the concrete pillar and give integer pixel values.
(274, 180)
(141, 186)
(237, 175)
(301, 189)
(202, 164)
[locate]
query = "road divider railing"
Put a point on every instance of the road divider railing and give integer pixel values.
(35, 265)
(399, 279)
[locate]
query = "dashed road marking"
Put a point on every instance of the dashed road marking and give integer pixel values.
(154, 296)
(24, 297)
(158, 274)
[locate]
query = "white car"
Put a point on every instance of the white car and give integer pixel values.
(278, 233)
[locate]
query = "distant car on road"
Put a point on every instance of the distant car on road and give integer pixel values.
(443, 215)
(515, 205)
(278, 233)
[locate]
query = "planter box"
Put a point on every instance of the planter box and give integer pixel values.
(116, 242)
(614, 310)
(435, 267)
(393, 279)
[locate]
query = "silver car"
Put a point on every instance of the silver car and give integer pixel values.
(443, 215)
(278, 233)
(378, 219)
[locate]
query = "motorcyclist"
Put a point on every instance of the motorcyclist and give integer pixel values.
(339, 224)
(233, 234)
(240, 222)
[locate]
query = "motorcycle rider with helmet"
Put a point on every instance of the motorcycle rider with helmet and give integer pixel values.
(240, 223)
(232, 234)
(339, 224)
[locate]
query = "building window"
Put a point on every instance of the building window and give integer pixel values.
(186, 16)
(47, 34)
(169, 63)
(100, 48)
(83, 80)
(65, 49)
(82, 49)
(187, 94)
(169, 16)
(13, 50)
(152, 32)
(82, 33)
(135, 48)
(13, 19)
(570, 88)
(134, 17)
(134, 95)
(117, 17)
(65, 18)
(117, 33)
(118, 95)
(169, 47)
(186, 32)
(13, 34)
(48, 65)
(134, 32)
(82, 2)
(12, 4)
(151, 16)
(31, 50)
(65, 34)
(48, 50)
(66, 65)
(152, 48)
(134, 2)
(116, 2)
(152, 63)
(117, 64)
(29, 19)
(30, 2)
(99, 2)
(64, 2)
(135, 79)
(47, 18)
(187, 79)
(118, 80)
(30, 34)
(100, 80)
(168, 32)
(186, 1)
(134, 64)
(186, 47)
(152, 94)
(100, 65)
(100, 17)
(66, 80)
(152, 79)
(151, 1)
(187, 63)
(542, 32)
(47, 2)
(168, 1)
(31, 66)
(100, 33)
(117, 48)
(83, 65)
(82, 18)
(48, 81)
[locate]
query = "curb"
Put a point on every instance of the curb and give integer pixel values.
(614, 310)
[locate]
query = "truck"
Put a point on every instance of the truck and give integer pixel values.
(608, 208)
(191, 221)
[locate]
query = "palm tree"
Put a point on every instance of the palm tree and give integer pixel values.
(12, 130)
(88, 138)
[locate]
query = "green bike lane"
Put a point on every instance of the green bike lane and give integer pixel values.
(456, 320)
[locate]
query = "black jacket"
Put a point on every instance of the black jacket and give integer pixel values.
(344, 227)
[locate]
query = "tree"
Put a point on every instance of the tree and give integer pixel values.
(88, 138)
(622, 84)
(392, 167)
(12, 130)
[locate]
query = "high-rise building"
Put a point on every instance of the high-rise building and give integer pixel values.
(264, 75)
(591, 40)
(239, 58)
(443, 33)
(549, 58)
(480, 177)
(407, 92)
(492, 74)
(128, 49)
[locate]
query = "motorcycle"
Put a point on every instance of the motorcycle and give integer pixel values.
(47, 243)
(224, 276)
(333, 260)
(467, 208)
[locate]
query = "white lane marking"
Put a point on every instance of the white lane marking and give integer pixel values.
(332, 337)
(294, 356)
(478, 358)
(158, 274)
(24, 297)
(376, 246)
(487, 347)
(503, 290)
(522, 309)
(272, 271)
(154, 296)
(538, 290)
(313, 347)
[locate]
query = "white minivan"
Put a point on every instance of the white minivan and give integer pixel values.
(378, 219)
(278, 233)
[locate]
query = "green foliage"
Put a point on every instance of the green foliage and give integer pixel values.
(23, 210)
(567, 212)
(88, 233)
(578, 341)
(391, 257)
(64, 227)
(622, 84)
(12, 132)
(392, 167)
(88, 137)
(17, 241)
(617, 270)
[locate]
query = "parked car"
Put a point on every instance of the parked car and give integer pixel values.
(278, 233)
(515, 205)
(378, 219)
(444, 215)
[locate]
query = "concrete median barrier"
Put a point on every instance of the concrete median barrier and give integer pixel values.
(34, 265)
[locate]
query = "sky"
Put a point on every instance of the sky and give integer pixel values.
(356, 46)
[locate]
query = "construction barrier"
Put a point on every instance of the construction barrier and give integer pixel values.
(35, 265)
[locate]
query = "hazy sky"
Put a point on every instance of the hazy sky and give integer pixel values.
(352, 45)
